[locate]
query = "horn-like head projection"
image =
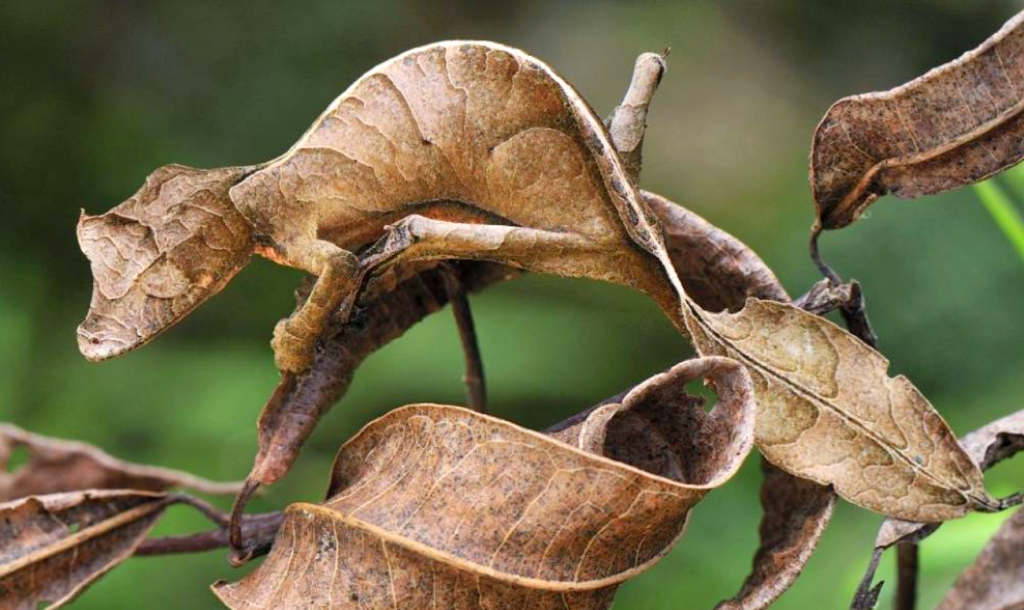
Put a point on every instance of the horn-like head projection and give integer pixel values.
(158, 255)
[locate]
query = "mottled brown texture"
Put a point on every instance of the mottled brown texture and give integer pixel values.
(995, 581)
(159, 255)
(721, 272)
(477, 151)
(56, 465)
(453, 150)
(986, 447)
(829, 412)
(717, 270)
(956, 125)
(389, 306)
(52, 547)
(796, 512)
(442, 505)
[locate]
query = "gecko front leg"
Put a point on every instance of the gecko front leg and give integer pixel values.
(337, 285)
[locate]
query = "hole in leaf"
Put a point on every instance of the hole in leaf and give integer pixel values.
(699, 389)
(18, 457)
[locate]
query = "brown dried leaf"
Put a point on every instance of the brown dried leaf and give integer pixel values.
(451, 89)
(442, 505)
(994, 579)
(52, 547)
(796, 512)
(996, 441)
(717, 269)
(956, 125)
(456, 150)
(452, 150)
(389, 306)
(56, 465)
(720, 272)
(986, 446)
(828, 411)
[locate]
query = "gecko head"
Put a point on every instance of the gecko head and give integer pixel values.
(159, 255)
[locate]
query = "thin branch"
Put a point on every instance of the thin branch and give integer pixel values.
(855, 316)
(867, 596)
(259, 531)
(907, 555)
(208, 510)
(476, 385)
(826, 296)
(822, 266)
(241, 550)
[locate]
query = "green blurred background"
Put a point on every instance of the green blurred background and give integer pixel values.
(95, 94)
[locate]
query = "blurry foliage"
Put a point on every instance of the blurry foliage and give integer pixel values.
(1003, 210)
(95, 94)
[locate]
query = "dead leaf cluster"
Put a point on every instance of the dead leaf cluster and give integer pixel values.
(459, 165)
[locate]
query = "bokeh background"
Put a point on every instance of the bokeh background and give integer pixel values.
(95, 94)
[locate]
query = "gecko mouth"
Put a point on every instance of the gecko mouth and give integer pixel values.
(159, 255)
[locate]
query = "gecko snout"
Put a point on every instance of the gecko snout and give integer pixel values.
(159, 255)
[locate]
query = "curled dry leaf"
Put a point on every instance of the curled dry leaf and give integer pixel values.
(796, 512)
(986, 447)
(456, 150)
(956, 125)
(994, 579)
(52, 547)
(442, 505)
(56, 465)
(720, 272)
(389, 306)
(717, 269)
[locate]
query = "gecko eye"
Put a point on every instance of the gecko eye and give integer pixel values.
(159, 255)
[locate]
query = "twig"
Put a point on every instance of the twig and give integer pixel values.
(208, 510)
(907, 554)
(259, 533)
(822, 266)
(867, 596)
(855, 316)
(826, 296)
(241, 552)
(476, 385)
